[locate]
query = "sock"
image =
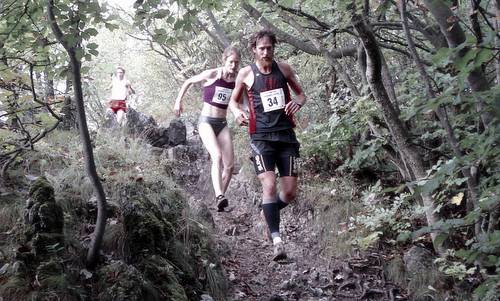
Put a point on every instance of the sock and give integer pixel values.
(272, 215)
(280, 202)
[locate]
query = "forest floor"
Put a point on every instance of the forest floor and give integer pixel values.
(307, 274)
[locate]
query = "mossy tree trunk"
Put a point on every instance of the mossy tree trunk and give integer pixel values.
(398, 131)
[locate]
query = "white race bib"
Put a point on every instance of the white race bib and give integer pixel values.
(222, 95)
(273, 100)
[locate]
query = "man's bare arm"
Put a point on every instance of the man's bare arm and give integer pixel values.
(300, 98)
(130, 89)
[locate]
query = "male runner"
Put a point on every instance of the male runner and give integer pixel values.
(270, 121)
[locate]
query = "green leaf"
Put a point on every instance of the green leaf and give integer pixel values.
(71, 40)
(440, 238)
(91, 31)
(160, 14)
(442, 56)
(404, 236)
(111, 26)
(369, 240)
(170, 20)
(160, 31)
(463, 61)
(428, 186)
(483, 56)
(79, 54)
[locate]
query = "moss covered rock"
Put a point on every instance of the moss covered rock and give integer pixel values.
(185, 272)
(41, 191)
(146, 229)
(119, 281)
(50, 275)
(160, 272)
(47, 243)
(42, 213)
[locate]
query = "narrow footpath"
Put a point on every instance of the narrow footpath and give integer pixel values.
(306, 275)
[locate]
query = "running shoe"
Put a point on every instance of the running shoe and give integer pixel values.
(222, 202)
(279, 252)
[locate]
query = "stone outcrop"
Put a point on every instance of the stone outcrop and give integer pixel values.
(147, 231)
(43, 217)
(141, 125)
(161, 264)
(174, 134)
(37, 260)
(418, 259)
(138, 122)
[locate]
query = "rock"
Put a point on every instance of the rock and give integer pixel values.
(184, 152)
(239, 295)
(201, 210)
(41, 191)
(45, 243)
(19, 268)
(162, 137)
(122, 282)
(110, 121)
(158, 271)
(417, 259)
(138, 122)
(157, 136)
(206, 297)
(287, 285)
(185, 169)
(176, 132)
(146, 229)
(112, 209)
(185, 270)
(4, 269)
(317, 292)
(49, 273)
(45, 216)
(51, 218)
(44, 219)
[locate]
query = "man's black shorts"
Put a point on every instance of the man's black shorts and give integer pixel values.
(275, 150)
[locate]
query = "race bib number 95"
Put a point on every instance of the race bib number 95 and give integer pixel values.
(222, 95)
(273, 100)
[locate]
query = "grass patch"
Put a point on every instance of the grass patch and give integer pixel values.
(334, 209)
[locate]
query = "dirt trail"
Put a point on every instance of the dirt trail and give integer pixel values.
(306, 275)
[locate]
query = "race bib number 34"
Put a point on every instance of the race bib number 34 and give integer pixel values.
(222, 95)
(273, 100)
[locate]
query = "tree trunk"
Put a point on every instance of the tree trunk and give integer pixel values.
(86, 142)
(474, 8)
(212, 35)
(361, 58)
(450, 27)
(398, 131)
(440, 111)
(389, 84)
(49, 85)
(219, 31)
(497, 39)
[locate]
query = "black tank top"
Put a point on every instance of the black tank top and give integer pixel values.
(267, 98)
